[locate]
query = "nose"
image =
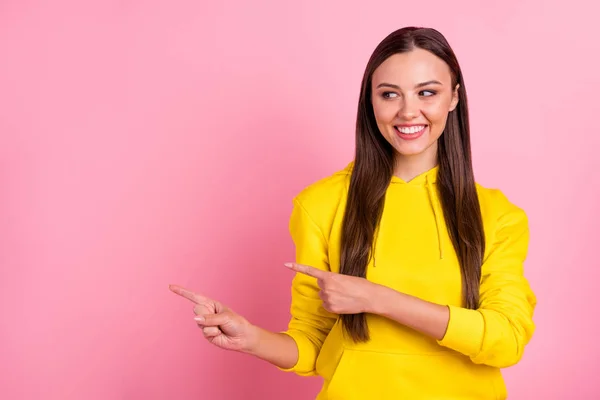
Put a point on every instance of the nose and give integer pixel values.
(409, 109)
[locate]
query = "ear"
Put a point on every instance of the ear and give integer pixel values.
(454, 101)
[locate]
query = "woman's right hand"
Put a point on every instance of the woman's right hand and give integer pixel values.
(220, 325)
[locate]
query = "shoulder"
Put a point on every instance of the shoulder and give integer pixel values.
(496, 206)
(326, 189)
(503, 221)
(322, 198)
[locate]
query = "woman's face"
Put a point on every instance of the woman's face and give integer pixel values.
(412, 95)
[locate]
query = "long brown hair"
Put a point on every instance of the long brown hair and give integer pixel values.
(373, 170)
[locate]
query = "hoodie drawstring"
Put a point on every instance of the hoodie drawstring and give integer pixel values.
(436, 213)
(375, 241)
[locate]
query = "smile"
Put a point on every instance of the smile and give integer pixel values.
(410, 130)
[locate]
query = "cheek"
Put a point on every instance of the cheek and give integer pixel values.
(437, 113)
(437, 116)
(384, 112)
(436, 110)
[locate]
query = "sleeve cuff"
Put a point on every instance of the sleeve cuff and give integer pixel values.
(307, 355)
(465, 331)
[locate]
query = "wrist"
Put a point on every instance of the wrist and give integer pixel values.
(253, 340)
(376, 299)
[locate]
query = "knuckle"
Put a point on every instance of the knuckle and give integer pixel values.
(324, 295)
(207, 319)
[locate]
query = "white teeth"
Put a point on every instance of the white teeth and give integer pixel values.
(411, 130)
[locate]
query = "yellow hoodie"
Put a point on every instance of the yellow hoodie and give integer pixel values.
(413, 255)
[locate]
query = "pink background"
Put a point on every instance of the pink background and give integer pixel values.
(153, 142)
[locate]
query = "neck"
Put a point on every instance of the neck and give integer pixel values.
(408, 167)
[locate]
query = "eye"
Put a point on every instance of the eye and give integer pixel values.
(389, 95)
(427, 93)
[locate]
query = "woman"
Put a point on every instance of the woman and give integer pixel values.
(409, 276)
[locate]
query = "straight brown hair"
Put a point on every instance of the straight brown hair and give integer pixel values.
(373, 170)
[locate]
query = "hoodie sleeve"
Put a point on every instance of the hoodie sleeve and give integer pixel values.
(310, 323)
(497, 332)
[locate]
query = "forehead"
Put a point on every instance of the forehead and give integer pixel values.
(410, 68)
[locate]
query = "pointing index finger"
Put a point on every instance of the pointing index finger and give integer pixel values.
(307, 270)
(188, 294)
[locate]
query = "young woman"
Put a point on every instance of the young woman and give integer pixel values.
(409, 276)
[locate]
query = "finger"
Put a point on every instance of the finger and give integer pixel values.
(201, 309)
(211, 331)
(307, 270)
(188, 294)
(213, 319)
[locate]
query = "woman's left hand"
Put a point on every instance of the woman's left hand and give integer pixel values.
(341, 294)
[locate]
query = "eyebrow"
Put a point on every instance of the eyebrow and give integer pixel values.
(432, 82)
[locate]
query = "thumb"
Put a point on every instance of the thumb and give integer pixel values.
(213, 319)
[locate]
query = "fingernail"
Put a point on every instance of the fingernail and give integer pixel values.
(199, 318)
(289, 265)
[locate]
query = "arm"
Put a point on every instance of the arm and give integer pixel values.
(497, 332)
(277, 348)
(310, 323)
(420, 315)
(295, 349)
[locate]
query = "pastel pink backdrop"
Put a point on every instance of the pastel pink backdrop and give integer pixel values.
(153, 142)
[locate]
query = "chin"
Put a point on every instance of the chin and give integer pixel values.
(412, 148)
(410, 152)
